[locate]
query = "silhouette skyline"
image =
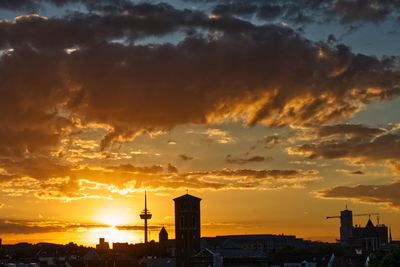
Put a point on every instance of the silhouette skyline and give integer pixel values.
(372, 243)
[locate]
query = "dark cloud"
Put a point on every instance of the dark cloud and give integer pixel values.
(128, 25)
(266, 10)
(271, 141)
(353, 142)
(238, 160)
(40, 168)
(240, 8)
(239, 72)
(270, 11)
(31, 5)
(135, 22)
(387, 194)
(350, 172)
(26, 227)
(172, 169)
(234, 66)
(304, 11)
(364, 10)
(185, 157)
(296, 11)
(18, 143)
(32, 89)
(353, 130)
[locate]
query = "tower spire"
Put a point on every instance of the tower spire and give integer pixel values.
(390, 234)
(145, 215)
(145, 200)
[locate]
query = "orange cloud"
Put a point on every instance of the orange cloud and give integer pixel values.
(104, 182)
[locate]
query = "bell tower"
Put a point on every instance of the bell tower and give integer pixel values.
(187, 229)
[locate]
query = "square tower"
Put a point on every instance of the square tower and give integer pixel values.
(187, 228)
(346, 227)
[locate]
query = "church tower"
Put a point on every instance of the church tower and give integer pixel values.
(187, 228)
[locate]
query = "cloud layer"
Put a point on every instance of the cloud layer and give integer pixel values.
(33, 227)
(296, 11)
(60, 182)
(303, 11)
(238, 160)
(255, 74)
(357, 143)
(62, 76)
(379, 194)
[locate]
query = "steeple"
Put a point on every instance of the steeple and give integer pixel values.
(145, 200)
(370, 224)
(145, 215)
(163, 237)
(390, 234)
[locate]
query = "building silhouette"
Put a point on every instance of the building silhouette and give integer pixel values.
(346, 227)
(102, 245)
(371, 237)
(145, 215)
(163, 237)
(368, 238)
(187, 229)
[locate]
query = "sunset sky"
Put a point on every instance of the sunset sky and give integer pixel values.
(275, 113)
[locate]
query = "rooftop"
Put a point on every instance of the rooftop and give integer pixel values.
(187, 197)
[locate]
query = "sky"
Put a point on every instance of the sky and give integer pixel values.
(275, 113)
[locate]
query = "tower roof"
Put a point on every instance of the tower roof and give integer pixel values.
(187, 197)
(369, 224)
(163, 230)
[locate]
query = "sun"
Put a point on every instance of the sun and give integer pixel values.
(109, 218)
(113, 217)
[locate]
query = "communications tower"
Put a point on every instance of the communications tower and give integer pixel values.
(145, 215)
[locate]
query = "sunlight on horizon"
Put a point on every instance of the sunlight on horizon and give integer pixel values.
(111, 235)
(86, 237)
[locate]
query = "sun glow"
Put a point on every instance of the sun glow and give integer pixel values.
(114, 217)
(111, 235)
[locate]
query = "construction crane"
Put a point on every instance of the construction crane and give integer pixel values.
(358, 215)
